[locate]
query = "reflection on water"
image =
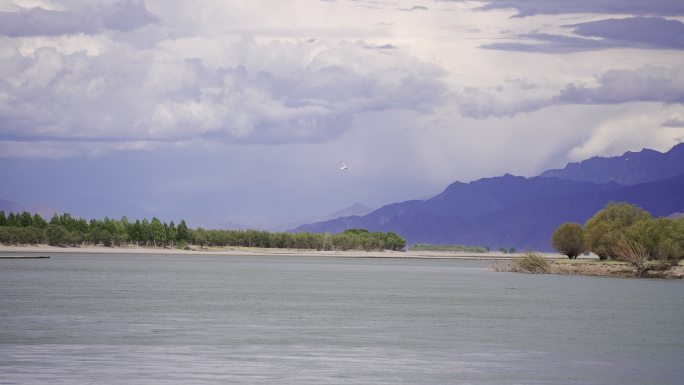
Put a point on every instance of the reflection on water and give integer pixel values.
(81, 319)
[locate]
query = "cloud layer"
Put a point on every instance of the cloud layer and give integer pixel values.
(634, 32)
(127, 71)
(199, 103)
(124, 16)
(552, 7)
(280, 92)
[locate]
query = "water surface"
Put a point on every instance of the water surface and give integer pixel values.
(156, 319)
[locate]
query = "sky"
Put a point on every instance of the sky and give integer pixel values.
(240, 112)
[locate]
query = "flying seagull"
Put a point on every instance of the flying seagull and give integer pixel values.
(343, 166)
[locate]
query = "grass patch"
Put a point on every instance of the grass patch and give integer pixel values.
(502, 267)
(532, 263)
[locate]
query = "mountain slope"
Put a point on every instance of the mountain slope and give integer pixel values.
(459, 200)
(526, 224)
(489, 194)
(627, 169)
(531, 224)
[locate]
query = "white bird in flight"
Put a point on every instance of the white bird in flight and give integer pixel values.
(343, 166)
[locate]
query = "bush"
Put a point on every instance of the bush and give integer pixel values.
(603, 231)
(634, 253)
(569, 239)
(57, 235)
(663, 238)
(532, 263)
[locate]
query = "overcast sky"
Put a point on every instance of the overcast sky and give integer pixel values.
(241, 111)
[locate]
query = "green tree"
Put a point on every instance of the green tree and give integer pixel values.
(568, 239)
(3, 218)
(157, 232)
(171, 233)
(5, 235)
(38, 221)
(13, 220)
(57, 235)
(182, 231)
(606, 228)
(145, 232)
(662, 238)
(25, 219)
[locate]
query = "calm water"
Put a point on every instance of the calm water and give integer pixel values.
(140, 319)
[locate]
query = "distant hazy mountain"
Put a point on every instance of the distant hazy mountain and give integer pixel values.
(419, 220)
(207, 224)
(629, 168)
(528, 223)
(92, 207)
(510, 211)
(357, 209)
(16, 207)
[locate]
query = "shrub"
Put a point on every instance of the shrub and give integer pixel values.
(501, 266)
(663, 238)
(603, 231)
(532, 263)
(569, 239)
(634, 253)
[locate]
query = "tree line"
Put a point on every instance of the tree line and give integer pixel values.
(625, 232)
(65, 230)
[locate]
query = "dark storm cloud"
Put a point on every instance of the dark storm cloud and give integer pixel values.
(548, 43)
(120, 16)
(647, 32)
(415, 8)
(645, 84)
(556, 7)
(383, 46)
(635, 32)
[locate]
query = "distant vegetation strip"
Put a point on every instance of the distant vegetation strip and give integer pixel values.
(454, 248)
(65, 230)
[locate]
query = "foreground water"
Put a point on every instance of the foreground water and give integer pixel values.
(145, 319)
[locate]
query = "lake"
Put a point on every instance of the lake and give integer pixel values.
(163, 319)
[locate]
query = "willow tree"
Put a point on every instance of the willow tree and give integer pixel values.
(604, 231)
(568, 239)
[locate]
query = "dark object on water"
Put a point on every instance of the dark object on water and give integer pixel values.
(24, 257)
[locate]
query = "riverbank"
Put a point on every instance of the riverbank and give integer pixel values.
(228, 251)
(594, 267)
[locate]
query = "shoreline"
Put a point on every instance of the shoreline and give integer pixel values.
(596, 268)
(246, 251)
(587, 266)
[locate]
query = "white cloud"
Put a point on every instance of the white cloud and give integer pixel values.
(638, 127)
(248, 91)
(123, 15)
(304, 71)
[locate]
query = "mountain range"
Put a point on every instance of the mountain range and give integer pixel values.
(512, 211)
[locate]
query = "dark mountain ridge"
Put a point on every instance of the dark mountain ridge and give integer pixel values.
(627, 169)
(513, 211)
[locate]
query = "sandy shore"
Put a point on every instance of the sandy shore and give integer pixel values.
(33, 249)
